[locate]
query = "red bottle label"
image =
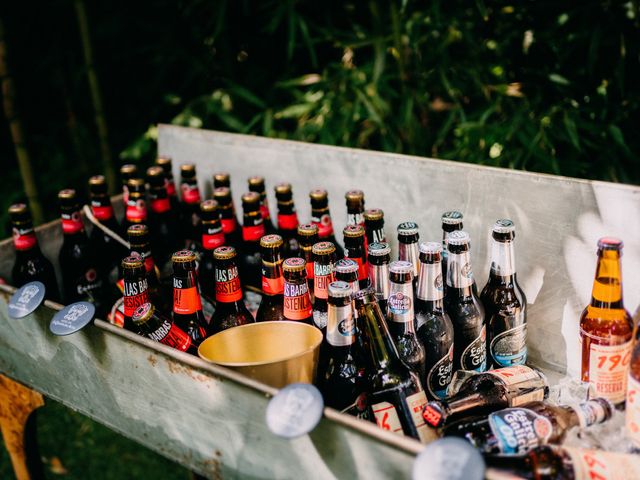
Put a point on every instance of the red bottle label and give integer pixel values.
(160, 205)
(171, 187)
(172, 335)
(120, 285)
(323, 276)
(185, 300)
(310, 270)
(288, 221)
(228, 287)
(253, 233)
(136, 211)
(24, 240)
(213, 241)
(297, 302)
(190, 193)
(72, 223)
(102, 213)
(264, 210)
(228, 225)
(135, 294)
(149, 263)
(273, 286)
(325, 226)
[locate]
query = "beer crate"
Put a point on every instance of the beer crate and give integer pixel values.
(212, 420)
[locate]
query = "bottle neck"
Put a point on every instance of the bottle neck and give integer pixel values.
(341, 327)
(430, 282)
(72, 226)
(102, 209)
(322, 276)
(160, 203)
(409, 253)
(375, 231)
(355, 218)
(228, 288)
(607, 286)
(378, 341)
(253, 226)
(379, 276)
(212, 235)
(190, 192)
(464, 403)
(24, 240)
(400, 304)
(322, 219)
(459, 273)
(503, 262)
(272, 279)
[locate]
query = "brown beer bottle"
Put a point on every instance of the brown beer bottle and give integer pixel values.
(632, 407)
(223, 180)
(127, 172)
(30, 264)
(451, 221)
(154, 325)
(355, 207)
(256, 184)
(187, 304)
(408, 251)
(230, 309)
(379, 257)
(606, 328)
(135, 288)
(321, 217)
(307, 238)
(211, 238)
(271, 305)
(324, 259)
(190, 205)
(249, 260)
(355, 250)
(374, 226)
(297, 302)
(346, 270)
(170, 185)
(163, 221)
(287, 219)
(136, 210)
(230, 226)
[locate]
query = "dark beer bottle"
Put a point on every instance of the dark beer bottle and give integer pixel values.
(127, 172)
(187, 304)
(324, 259)
(230, 309)
(464, 307)
(401, 316)
(223, 180)
(379, 258)
(256, 184)
(82, 278)
(271, 305)
(30, 264)
(136, 210)
(435, 330)
(190, 205)
(374, 226)
(408, 251)
(355, 207)
(339, 380)
(135, 288)
(249, 260)
(154, 325)
(451, 221)
(230, 226)
(297, 302)
(489, 391)
(211, 238)
(170, 185)
(321, 217)
(514, 431)
(505, 304)
(287, 219)
(307, 238)
(163, 222)
(346, 270)
(355, 250)
(397, 397)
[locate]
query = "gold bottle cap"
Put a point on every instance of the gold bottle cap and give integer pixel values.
(283, 188)
(208, 206)
(164, 162)
(188, 168)
(224, 253)
(138, 230)
(222, 178)
(353, 231)
(250, 198)
(373, 214)
(143, 313)
(97, 180)
(128, 169)
(323, 248)
(294, 264)
(354, 196)
(155, 171)
(307, 230)
(133, 261)
(67, 194)
(222, 193)
(271, 241)
(183, 256)
(256, 182)
(18, 209)
(135, 183)
(318, 194)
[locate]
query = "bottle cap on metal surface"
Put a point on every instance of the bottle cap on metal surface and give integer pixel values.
(72, 318)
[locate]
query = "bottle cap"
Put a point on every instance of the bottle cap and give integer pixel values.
(188, 170)
(294, 264)
(406, 229)
(221, 179)
(401, 267)
(379, 249)
(183, 256)
(209, 206)
(430, 247)
(256, 184)
(224, 253)
(165, 163)
(458, 237)
(138, 230)
(318, 194)
(339, 289)
(323, 248)
(222, 195)
(504, 225)
(610, 243)
(373, 214)
(271, 241)
(155, 176)
(346, 265)
(354, 196)
(364, 296)
(283, 192)
(135, 185)
(132, 261)
(250, 198)
(452, 217)
(98, 185)
(68, 199)
(19, 213)
(353, 231)
(449, 458)
(307, 230)
(67, 194)
(128, 170)
(143, 313)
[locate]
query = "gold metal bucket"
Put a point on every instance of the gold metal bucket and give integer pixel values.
(275, 353)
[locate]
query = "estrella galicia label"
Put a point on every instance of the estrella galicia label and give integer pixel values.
(510, 348)
(518, 430)
(474, 357)
(439, 377)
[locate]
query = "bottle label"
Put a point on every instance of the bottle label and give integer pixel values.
(510, 348)
(400, 302)
(387, 417)
(590, 413)
(24, 239)
(516, 374)
(170, 334)
(355, 219)
(310, 268)
(116, 317)
(102, 212)
(601, 465)
(228, 225)
(324, 224)
(186, 300)
(211, 241)
(474, 357)
(297, 303)
(432, 288)
(416, 404)
(288, 221)
(72, 223)
(160, 205)
(322, 277)
(87, 283)
(459, 273)
(341, 327)
(377, 236)
(608, 370)
(264, 211)
(253, 233)
(632, 421)
(519, 430)
(273, 286)
(135, 294)
(228, 289)
(439, 377)
(170, 186)
(136, 211)
(190, 193)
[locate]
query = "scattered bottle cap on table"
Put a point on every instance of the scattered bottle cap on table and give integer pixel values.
(72, 318)
(26, 299)
(449, 459)
(295, 410)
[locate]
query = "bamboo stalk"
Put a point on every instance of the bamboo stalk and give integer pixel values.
(17, 132)
(96, 97)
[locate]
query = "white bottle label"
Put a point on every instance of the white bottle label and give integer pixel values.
(515, 374)
(459, 273)
(387, 417)
(601, 465)
(400, 302)
(633, 410)
(608, 366)
(341, 327)
(416, 404)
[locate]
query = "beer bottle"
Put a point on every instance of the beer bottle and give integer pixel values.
(396, 397)
(321, 217)
(355, 207)
(632, 407)
(187, 304)
(170, 185)
(307, 238)
(339, 380)
(271, 305)
(346, 270)
(211, 238)
(190, 205)
(127, 172)
(374, 226)
(517, 430)
(504, 302)
(230, 309)
(223, 180)
(30, 264)
(355, 250)
(154, 325)
(249, 262)
(379, 258)
(324, 259)
(297, 302)
(487, 392)
(256, 184)
(464, 307)
(401, 317)
(230, 228)
(451, 221)
(136, 211)
(163, 222)
(408, 237)
(606, 328)
(287, 219)
(435, 330)
(135, 288)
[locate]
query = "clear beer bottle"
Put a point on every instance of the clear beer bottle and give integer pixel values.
(451, 221)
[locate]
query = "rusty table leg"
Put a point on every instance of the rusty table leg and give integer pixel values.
(17, 402)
